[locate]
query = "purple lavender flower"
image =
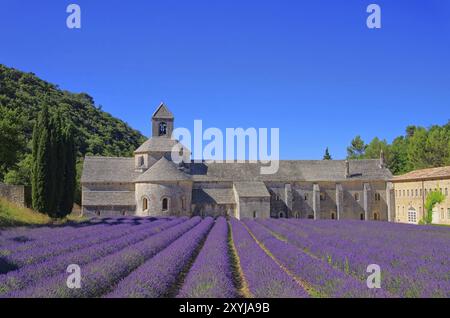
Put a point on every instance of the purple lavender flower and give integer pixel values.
(210, 276)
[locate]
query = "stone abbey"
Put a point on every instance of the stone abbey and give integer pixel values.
(151, 184)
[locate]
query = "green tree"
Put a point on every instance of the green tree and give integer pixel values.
(41, 177)
(357, 148)
(327, 155)
(11, 140)
(69, 172)
(433, 198)
(21, 174)
(399, 163)
(417, 149)
(374, 148)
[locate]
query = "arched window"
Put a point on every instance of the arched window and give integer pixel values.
(254, 214)
(333, 216)
(281, 215)
(361, 216)
(375, 216)
(165, 204)
(162, 129)
(144, 204)
(357, 196)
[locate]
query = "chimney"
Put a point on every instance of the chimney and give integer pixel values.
(382, 164)
(347, 168)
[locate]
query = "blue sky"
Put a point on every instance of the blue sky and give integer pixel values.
(311, 68)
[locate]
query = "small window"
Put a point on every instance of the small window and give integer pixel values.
(306, 197)
(404, 192)
(277, 198)
(333, 216)
(361, 217)
(144, 204)
(97, 212)
(254, 214)
(357, 196)
(448, 213)
(377, 196)
(183, 203)
(281, 215)
(375, 216)
(442, 213)
(417, 192)
(407, 192)
(446, 191)
(141, 161)
(165, 204)
(322, 196)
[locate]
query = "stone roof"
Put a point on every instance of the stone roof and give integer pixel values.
(213, 196)
(425, 174)
(158, 144)
(291, 170)
(108, 169)
(251, 189)
(163, 170)
(162, 112)
(108, 198)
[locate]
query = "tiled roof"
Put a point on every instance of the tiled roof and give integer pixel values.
(163, 112)
(158, 144)
(109, 198)
(163, 170)
(291, 170)
(423, 174)
(251, 189)
(108, 169)
(213, 196)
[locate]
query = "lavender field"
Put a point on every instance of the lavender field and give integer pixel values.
(182, 257)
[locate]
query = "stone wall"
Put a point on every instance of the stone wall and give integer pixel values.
(17, 194)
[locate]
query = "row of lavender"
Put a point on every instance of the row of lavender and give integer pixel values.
(414, 260)
(205, 258)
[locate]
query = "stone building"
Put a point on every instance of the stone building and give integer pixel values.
(18, 194)
(150, 183)
(411, 190)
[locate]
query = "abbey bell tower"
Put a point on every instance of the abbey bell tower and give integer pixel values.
(162, 122)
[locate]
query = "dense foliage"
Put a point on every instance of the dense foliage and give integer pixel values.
(22, 96)
(433, 198)
(419, 148)
(53, 169)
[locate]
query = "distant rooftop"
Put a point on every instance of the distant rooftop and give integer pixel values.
(425, 174)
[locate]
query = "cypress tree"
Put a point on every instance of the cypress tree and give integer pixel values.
(41, 170)
(69, 172)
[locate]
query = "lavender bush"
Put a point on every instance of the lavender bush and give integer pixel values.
(155, 277)
(211, 276)
(264, 277)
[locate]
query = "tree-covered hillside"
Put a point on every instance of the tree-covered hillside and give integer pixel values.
(22, 96)
(419, 148)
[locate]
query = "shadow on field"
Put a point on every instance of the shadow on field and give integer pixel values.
(5, 266)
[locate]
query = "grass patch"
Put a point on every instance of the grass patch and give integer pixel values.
(238, 276)
(14, 215)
